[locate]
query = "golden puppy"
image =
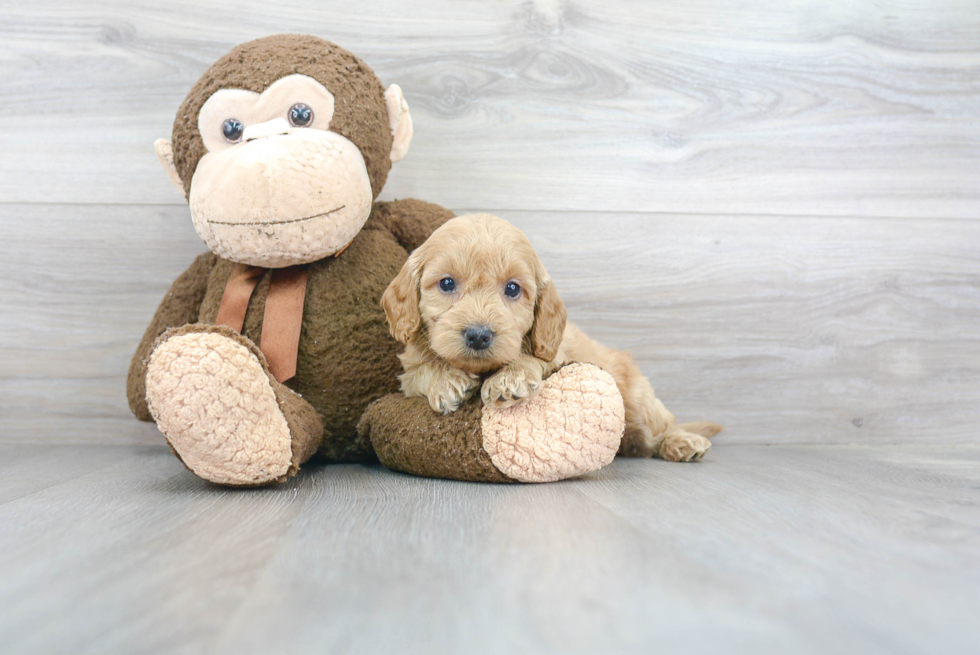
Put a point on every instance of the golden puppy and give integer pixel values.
(475, 304)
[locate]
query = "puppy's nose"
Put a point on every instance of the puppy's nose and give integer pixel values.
(478, 337)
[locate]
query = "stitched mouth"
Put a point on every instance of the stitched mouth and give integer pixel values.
(295, 220)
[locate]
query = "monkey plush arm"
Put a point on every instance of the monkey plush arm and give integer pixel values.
(410, 221)
(180, 306)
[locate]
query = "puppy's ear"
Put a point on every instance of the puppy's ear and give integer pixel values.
(549, 318)
(401, 300)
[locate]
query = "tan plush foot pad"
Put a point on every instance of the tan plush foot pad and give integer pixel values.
(572, 426)
(213, 401)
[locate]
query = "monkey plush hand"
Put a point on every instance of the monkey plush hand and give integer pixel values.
(271, 346)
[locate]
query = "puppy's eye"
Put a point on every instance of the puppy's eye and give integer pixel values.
(447, 284)
(300, 115)
(232, 130)
(512, 290)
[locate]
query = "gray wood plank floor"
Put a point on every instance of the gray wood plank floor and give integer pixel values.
(792, 549)
(773, 205)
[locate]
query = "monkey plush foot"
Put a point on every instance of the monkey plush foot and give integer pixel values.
(572, 426)
(229, 421)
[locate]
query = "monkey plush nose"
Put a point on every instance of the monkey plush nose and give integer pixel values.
(478, 337)
(269, 128)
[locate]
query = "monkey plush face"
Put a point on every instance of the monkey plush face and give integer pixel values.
(276, 186)
(291, 140)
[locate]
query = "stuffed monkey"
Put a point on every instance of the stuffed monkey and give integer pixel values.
(271, 346)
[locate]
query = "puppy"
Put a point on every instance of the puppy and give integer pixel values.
(474, 304)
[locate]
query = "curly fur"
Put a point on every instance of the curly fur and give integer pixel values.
(531, 337)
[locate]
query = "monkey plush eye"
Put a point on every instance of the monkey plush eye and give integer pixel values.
(300, 115)
(232, 129)
(447, 284)
(512, 289)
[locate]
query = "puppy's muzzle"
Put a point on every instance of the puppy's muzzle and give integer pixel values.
(478, 337)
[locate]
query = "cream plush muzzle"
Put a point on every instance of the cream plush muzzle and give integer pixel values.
(280, 193)
(283, 198)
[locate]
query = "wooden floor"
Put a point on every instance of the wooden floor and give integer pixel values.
(786, 549)
(775, 205)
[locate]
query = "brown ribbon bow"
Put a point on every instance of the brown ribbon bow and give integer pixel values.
(283, 318)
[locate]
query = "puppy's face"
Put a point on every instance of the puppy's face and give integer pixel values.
(478, 292)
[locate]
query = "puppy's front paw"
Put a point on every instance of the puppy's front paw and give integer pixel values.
(510, 385)
(448, 391)
(681, 446)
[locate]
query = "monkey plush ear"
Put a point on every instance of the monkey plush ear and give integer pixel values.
(400, 121)
(165, 153)
(401, 301)
(549, 318)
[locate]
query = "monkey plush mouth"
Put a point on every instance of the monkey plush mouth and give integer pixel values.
(295, 220)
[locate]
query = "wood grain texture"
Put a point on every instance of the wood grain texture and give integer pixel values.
(755, 550)
(707, 181)
(786, 330)
(784, 107)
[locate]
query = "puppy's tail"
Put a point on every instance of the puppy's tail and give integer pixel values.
(704, 428)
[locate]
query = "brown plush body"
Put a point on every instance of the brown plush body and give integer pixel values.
(346, 357)
(281, 149)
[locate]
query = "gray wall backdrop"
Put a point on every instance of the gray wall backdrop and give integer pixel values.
(776, 208)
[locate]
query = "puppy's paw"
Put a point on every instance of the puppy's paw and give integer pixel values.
(510, 385)
(681, 446)
(448, 391)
